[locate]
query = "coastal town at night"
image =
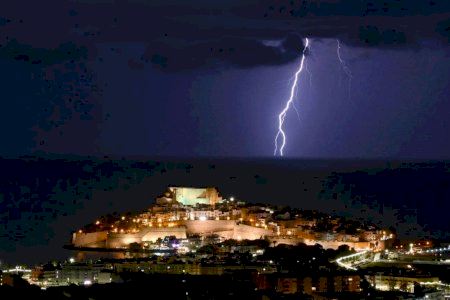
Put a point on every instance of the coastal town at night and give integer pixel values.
(195, 234)
(238, 149)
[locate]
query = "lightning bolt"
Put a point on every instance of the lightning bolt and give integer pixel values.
(282, 115)
(344, 67)
(310, 86)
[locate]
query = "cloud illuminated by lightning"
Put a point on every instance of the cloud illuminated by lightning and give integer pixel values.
(282, 115)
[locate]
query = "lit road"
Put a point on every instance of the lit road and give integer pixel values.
(349, 265)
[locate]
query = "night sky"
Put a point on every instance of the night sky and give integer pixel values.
(208, 78)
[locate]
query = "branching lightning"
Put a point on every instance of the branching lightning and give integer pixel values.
(280, 138)
(281, 117)
(310, 75)
(344, 67)
(296, 111)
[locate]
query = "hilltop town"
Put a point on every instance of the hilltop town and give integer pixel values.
(193, 216)
(225, 247)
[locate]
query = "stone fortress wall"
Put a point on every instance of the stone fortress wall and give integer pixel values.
(90, 239)
(227, 229)
(208, 226)
(120, 240)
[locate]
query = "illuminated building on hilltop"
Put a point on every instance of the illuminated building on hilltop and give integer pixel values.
(191, 196)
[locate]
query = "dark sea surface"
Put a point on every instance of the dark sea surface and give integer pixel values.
(42, 200)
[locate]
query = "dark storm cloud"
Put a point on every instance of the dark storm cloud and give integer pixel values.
(235, 51)
(230, 32)
(393, 24)
(135, 65)
(21, 52)
(184, 35)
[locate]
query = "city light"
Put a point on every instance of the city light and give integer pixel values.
(87, 282)
(17, 269)
(340, 261)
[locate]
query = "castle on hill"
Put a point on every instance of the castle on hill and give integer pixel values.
(184, 212)
(190, 196)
